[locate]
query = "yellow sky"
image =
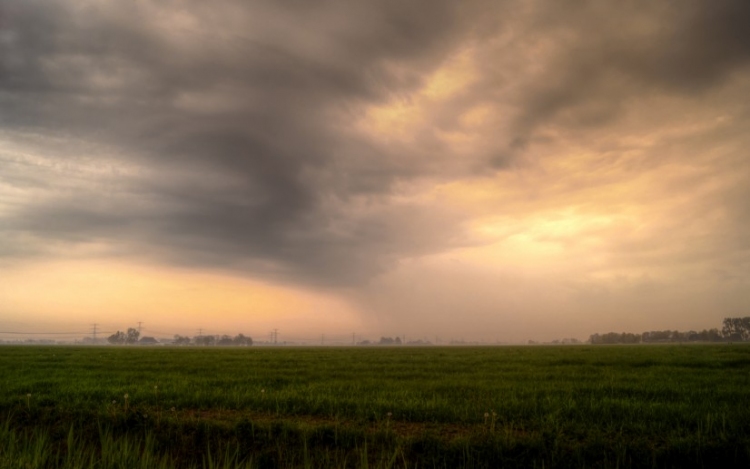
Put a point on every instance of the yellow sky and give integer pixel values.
(168, 301)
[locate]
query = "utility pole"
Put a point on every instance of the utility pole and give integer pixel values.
(139, 327)
(95, 325)
(200, 332)
(275, 336)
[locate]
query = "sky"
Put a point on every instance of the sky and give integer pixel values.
(474, 170)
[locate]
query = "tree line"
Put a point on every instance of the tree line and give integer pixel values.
(224, 340)
(121, 338)
(133, 336)
(733, 330)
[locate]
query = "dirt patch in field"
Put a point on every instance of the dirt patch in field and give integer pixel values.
(443, 431)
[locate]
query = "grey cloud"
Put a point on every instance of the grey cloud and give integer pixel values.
(598, 58)
(233, 113)
(712, 41)
(254, 110)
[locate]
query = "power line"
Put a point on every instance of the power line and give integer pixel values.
(43, 333)
(150, 331)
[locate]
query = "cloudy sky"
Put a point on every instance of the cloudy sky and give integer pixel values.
(485, 170)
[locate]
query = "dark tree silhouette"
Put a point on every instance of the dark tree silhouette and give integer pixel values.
(242, 340)
(204, 340)
(224, 340)
(181, 340)
(736, 328)
(118, 338)
(132, 337)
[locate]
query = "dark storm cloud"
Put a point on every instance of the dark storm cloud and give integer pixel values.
(233, 112)
(593, 58)
(228, 124)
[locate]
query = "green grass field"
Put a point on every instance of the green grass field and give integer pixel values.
(568, 406)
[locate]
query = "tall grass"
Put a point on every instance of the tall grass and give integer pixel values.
(36, 447)
(626, 406)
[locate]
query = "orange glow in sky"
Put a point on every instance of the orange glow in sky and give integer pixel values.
(501, 171)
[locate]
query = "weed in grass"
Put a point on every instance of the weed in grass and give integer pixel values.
(156, 403)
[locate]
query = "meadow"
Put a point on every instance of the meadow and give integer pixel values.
(444, 407)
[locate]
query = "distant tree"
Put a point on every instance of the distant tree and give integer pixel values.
(611, 338)
(713, 335)
(204, 340)
(224, 340)
(242, 340)
(628, 338)
(181, 340)
(389, 341)
(615, 338)
(118, 338)
(132, 336)
(736, 328)
(657, 336)
(419, 342)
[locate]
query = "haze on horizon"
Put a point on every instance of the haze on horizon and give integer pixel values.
(480, 170)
